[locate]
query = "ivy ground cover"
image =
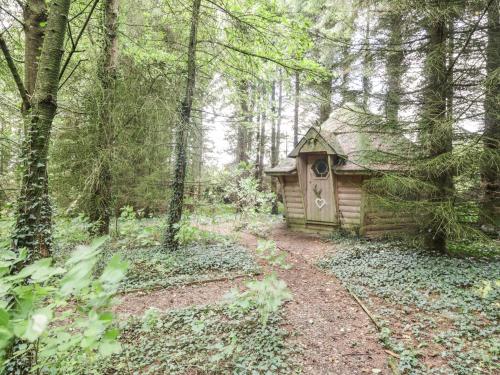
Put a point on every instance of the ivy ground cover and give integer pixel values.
(439, 314)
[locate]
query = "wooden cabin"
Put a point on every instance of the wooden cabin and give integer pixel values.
(322, 182)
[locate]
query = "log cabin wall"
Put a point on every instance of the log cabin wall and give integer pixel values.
(381, 222)
(350, 200)
(294, 200)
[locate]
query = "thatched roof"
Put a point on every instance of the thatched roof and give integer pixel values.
(358, 138)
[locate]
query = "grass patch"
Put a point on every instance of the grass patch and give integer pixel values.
(210, 340)
(440, 313)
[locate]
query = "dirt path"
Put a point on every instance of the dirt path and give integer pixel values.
(335, 334)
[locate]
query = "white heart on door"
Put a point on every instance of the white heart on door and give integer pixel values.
(320, 203)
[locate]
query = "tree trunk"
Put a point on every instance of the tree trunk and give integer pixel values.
(34, 18)
(177, 199)
(296, 110)
(33, 225)
(100, 195)
(367, 63)
(325, 108)
(490, 170)
(274, 155)
(280, 108)
(394, 70)
(437, 130)
(242, 134)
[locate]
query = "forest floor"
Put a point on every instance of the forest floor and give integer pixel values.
(332, 332)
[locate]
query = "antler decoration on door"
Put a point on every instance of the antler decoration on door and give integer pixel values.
(317, 191)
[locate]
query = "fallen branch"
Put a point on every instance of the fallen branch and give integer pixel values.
(194, 282)
(365, 309)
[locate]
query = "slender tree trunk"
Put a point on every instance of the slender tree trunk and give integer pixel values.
(280, 108)
(274, 154)
(367, 62)
(490, 170)
(100, 195)
(437, 130)
(296, 110)
(394, 69)
(257, 147)
(33, 225)
(177, 199)
(242, 138)
(262, 139)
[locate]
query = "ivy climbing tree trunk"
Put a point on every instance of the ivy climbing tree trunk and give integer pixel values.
(33, 224)
(490, 162)
(101, 185)
(177, 198)
(436, 128)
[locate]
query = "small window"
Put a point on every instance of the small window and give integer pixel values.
(320, 168)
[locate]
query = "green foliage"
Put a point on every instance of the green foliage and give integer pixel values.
(433, 299)
(210, 340)
(53, 318)
(266, 296)
(268, 251)
(188, 234)
(131, 232)
(69, 232)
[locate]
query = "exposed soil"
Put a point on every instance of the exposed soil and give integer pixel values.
(335, 334)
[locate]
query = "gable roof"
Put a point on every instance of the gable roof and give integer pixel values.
(359, 138)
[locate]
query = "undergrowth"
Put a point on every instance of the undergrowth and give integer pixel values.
(216, 339)
(444, 308)
(154, 267)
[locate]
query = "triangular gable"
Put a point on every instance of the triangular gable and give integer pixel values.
(313, 141)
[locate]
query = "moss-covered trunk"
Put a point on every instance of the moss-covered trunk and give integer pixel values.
(100, 191)
(177, 198)
(33, 226)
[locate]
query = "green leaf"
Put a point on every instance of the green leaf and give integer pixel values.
(37, 324)
(114, 271)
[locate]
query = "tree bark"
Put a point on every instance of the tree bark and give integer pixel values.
(296, 110)
(34, 19)
(280, 108)
(177, 198)
(490, 170)
(394, 70)
(33, 225)
(274, 155)
(262, 138)
(436, 129)
(242, 138)
(100, 194)
(325, 108)
(367, 63)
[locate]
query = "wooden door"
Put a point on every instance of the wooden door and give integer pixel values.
(319, 194)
